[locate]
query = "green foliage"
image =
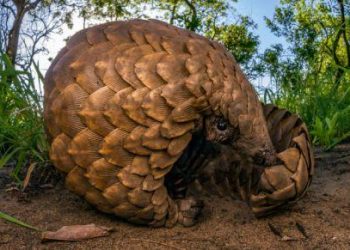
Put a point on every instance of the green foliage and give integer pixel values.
(22, 137)
(326, 112)
(311, 76)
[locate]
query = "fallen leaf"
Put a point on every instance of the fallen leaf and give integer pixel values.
(76, 233)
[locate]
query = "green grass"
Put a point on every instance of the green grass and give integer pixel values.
(325, 109)
(22, 137)
(14, 220)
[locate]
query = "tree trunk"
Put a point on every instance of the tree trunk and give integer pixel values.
(12, 45)
(22, 7)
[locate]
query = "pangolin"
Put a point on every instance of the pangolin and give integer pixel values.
(134, 108)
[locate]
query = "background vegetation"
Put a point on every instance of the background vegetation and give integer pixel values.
(309, 76)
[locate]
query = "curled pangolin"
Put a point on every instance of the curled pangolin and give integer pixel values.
(132, 109)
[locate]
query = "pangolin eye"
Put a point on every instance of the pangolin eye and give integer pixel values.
(222, 124)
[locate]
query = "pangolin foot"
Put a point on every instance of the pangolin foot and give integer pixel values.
(189, 210)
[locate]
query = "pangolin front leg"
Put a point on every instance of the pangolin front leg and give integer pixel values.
(197, 154)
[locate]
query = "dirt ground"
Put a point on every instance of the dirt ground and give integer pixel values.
(321, 220)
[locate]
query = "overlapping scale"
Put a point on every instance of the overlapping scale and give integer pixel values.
(122, 101)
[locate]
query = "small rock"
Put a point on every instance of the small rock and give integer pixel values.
(287, 238)
(5, 238)
(336, 210)
(318, 211)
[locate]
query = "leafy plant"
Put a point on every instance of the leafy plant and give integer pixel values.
(325, 111)
(328, 132)
(22, 137)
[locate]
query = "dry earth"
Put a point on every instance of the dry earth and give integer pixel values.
(321, 220)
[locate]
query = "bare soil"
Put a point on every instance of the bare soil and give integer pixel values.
(321, 220)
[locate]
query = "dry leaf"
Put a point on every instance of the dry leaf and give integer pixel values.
(28, 175)
(288, 238)
(76, 233)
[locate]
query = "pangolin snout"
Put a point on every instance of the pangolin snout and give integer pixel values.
(265, 157)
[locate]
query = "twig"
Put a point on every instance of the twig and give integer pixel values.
(301, 229)
(275, 230)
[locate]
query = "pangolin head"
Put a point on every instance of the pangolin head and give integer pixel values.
(250, 138)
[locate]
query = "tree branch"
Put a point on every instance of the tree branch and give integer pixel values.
(3, 5)
(33, 5)
(12, 44)
(335, 46)
(343, 30)
(173, 11)
(194, 15)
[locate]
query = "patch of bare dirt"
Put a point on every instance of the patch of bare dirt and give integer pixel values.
(321, 220)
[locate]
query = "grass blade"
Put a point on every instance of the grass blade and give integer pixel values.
(16, 221)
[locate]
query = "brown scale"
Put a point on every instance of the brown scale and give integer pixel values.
(140, 166)
(65, 109)
(93, 109)
(175, 93)
(155, 106)
(116, 193)
(117, 34)
(83, 68)
(134, 142)
(172, 68)
(50, 119)
(153, 39)
(102, 174)
(132, 107)
(138, 36)
(185, 111)
(127, 106)
(112, 148)
(199, 90)
(129, 179)
(173, 45)
(106, 71)
(116, 115)
(196, 63)
(84, 147)
(146, 70)
(59, 153)
(96, 36)
(125, 62)
(152, 139)
(171, 129)
(62, 74)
